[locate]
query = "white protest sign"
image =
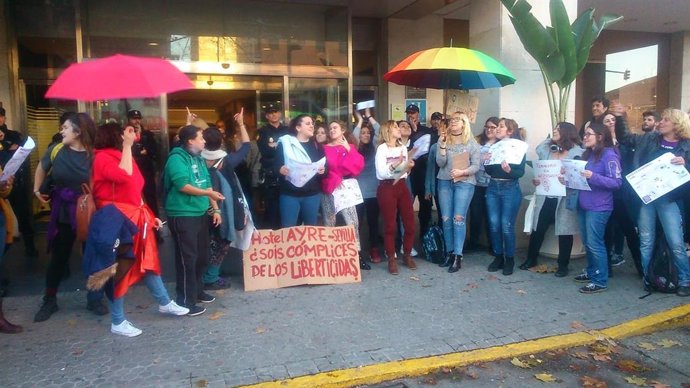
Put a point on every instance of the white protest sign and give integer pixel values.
(548, 171)
(573, 174)
(347, 194)
(657, 178)
(300, 173)
(509, 150)
(18, 158)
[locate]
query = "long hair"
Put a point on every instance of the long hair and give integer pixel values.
(680, 120)
(385, 133)
(368, 149)
(349, 137)
(512, 126)
(466, 130)
(85, 129)
(109, 135)
(604, 140)
(483, 139)
(569, 135)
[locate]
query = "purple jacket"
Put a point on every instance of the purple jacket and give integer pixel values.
(606, 178)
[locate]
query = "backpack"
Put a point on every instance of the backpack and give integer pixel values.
(434, 245)
(661, 271)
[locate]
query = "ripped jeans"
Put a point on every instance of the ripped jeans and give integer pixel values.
(503, 200)
(669, 215)
(454, 200)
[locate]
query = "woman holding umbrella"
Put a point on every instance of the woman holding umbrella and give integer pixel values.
(114, 171)
(68, 165)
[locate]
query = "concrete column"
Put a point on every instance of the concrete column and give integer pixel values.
(525, 101)
(404, 38)
(679, 72)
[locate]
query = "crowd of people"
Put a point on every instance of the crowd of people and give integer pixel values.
(216, 178)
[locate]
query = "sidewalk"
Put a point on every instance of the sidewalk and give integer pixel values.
(247, 338)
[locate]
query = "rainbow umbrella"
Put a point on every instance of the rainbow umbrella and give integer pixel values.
(450, 68)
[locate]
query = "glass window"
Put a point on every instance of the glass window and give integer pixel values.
(323, 99)
(220, 31)
(631, 78)
(45, 36)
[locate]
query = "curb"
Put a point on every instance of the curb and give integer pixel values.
(377, 373)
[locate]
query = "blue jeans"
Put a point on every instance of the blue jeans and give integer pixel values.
(291, 207)
(454, 200)
(503, 200)
(671, 219)
(592, 231)
(157, 290)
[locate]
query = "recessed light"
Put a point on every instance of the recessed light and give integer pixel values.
(153, 43)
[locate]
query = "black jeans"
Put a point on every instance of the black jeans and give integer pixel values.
(271, 199)
(621, 221)
(424, 214)
(21, 200)
(371, 206)
(547, 217)
(59, 261)
(478, 216)
(191, 238)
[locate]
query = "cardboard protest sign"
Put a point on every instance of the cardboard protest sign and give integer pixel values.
(460, 162)
(548, 171)
(301, 255)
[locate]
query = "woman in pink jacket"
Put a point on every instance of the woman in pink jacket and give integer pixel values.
(344, 164)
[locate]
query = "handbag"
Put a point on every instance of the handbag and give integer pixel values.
(85, 209)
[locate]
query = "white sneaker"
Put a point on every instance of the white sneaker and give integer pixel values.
(413, 252)
(125, 328)
(173, 308)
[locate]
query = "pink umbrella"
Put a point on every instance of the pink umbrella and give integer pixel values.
(116, 77)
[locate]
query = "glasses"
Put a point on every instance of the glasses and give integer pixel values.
(588, 134)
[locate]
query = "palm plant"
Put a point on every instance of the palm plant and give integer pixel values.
(561, 50)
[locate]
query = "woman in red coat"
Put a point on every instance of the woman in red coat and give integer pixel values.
(118, 181)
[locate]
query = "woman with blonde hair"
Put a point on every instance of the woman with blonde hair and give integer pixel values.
(673, 136)
(457, 155)
(392, 167)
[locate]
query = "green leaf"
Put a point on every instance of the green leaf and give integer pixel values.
(565, 41)
(533, 35)
(584, 37)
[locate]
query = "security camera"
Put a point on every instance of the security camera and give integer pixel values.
(225, 65)
(209, 82)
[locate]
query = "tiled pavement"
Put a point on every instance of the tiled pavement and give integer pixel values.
(246, 338)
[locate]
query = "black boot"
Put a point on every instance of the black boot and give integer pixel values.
(508, 266)
(47, 309)
(448, 261)
(457, 264)
(362, 263)
(496, 264)
(527, 264)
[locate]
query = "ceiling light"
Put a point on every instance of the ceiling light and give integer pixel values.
(153, 43)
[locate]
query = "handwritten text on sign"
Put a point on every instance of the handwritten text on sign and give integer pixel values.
(301, 255)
